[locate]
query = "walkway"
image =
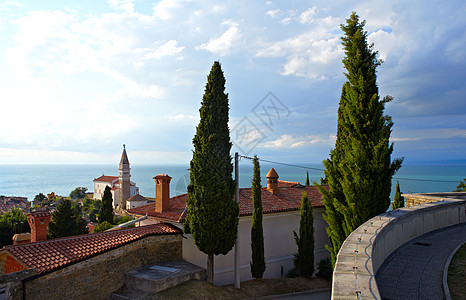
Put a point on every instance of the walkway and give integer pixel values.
(415, 270)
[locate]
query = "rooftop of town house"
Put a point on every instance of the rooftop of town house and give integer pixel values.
(287, 199)
(137, 198)
(106, 178)
(49, 255)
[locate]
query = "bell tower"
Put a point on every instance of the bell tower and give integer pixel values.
(124, 180)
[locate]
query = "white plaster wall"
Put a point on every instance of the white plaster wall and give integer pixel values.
(279, 247)
(99, 188)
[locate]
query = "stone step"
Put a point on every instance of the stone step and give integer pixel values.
(153, 279)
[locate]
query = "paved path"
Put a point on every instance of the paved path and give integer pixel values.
(415, 270)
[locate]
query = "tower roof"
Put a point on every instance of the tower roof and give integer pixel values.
(124, 158)
(272, 174)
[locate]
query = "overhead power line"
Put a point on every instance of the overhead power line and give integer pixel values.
(310, 168)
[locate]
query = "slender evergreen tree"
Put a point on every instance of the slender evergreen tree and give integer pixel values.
(66, 221)
(106, 210)
(212, 211)
(257, 234)
(307, 178)
(305, 239)
(461, 186)
(398, 200)
(359, 169)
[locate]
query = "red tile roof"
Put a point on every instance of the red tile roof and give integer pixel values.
(47, 256)
(137, 197)
(105, 178)
(176, 212)
(287, 199)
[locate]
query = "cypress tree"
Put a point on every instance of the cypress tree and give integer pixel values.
(257, 235)
(305, 239)
(307, 178)
(212, 211)
(359, 169)
(398, 200)
(106, 210)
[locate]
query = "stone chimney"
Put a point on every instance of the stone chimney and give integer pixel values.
(39, 221)
(272, 184)
(162, 192)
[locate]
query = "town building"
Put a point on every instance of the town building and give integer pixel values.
(281, 202)
(90, 266)
(121, 186)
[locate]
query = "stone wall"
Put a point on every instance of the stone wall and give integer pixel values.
(98, 277)
(366, 248)
(421, 198)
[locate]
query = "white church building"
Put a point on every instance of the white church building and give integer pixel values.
(121, 186)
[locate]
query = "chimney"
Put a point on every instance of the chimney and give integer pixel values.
(162, 192)
(38, 221)
(272, 184)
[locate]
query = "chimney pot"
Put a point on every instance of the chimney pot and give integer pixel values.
(272, 181)
(38, 221)
(162, 192)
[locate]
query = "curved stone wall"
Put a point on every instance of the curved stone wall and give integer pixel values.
(366, 248)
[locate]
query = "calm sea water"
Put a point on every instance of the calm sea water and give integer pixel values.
(29, 180)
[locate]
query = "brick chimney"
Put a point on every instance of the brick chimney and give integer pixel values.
(39, 221)
(272, 184)
(162, 192)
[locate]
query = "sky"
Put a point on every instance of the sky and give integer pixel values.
(78, 79)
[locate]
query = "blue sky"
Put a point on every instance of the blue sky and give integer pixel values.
(80, 78)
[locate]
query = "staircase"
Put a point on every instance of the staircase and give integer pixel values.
(145, 282)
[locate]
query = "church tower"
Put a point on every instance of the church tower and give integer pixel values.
(124, 180)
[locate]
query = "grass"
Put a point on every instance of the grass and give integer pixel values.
(457, 274)
(249, 289)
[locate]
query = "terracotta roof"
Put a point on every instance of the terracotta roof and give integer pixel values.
(105, 178)
(287, 199)
(137, 197)
(176, 212)
(272, 174)
(47, 256)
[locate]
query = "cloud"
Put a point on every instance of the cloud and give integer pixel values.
(287, 141)
(273, 13)
(124, 5)
(228, 40)
(164, 9)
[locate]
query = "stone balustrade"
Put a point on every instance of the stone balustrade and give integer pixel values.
(366, 248)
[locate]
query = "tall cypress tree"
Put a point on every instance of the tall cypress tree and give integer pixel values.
(398, 200)
(106, 210)
(257, 234)
(212, 211)
(307, 179)
(359, 169)
(305, 239)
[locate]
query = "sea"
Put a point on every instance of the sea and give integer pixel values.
(30, 180)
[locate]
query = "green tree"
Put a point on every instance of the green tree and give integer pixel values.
(66, 221)
(305, 239)
(257, 234)
(359, 169)
(102, 227)
(461, 187)
(78, 193)
(106, 210)
(398, 200)
(307, 179)
(212, 211)
(40, 197)
(12, 222)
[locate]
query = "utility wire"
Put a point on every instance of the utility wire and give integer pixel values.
(309, 168)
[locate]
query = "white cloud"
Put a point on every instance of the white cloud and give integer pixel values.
(287, 141)
(383, 42)
(164, 9)
(125, 5)
(228, 40)
(273, 13)
(308, 16)
(10, 3)
(169, 48)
